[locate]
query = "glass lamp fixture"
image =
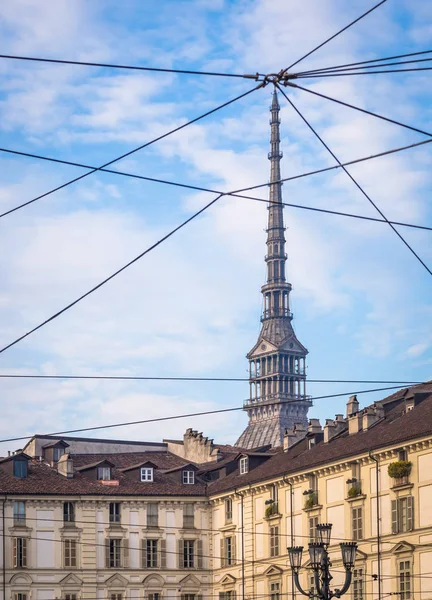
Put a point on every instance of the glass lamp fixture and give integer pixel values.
(348, 550)
(295, 557)
(316, 553)
(324, 532)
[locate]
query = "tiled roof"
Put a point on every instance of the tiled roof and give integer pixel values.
(45, 480)
(394, 428)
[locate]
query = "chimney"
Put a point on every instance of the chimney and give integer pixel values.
(293, 435)
(354, 423)
(314, 426)
(65, 466)
(370, 417)
(352, 406)
(329, 430)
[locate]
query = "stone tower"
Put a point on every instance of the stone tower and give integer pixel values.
(277, 374)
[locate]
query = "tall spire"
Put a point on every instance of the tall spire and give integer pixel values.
(277, 361)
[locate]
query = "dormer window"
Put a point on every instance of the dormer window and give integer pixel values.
(244, 465)
(104, 473)
(20, 468)
(57, 453)
(146, 474)
(188, 477)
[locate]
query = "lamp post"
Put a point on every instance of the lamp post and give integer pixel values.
(321, 564)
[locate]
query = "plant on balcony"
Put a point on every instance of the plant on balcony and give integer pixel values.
(354, 490)
(399, 469)
(272, 509)
(311, 499)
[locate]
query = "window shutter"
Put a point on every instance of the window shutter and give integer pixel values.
(144, 553)
(180, 551)
(394, 511)
(198, 596)
(15, 553)
(222, 552)
(162, 561)
(233, 549)
(410, 513)
(125, 552)
(107, 553)
(24, 552)
(199, 555)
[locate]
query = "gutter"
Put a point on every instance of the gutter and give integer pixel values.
(292, 530)
(242, 541)
(4, 548)
(378, 521)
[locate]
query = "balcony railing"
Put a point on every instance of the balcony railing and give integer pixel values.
(275, 312)
(311, 499)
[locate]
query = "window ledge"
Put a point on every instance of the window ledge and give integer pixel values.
(277, 516)
(228, 527)
(358, 497)
(402, 486)
(312, 508)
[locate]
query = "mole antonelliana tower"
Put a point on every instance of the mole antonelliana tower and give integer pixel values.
(277, 376)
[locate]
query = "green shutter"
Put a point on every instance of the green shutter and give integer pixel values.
(199, 555)
(394, 514)
(410, 513)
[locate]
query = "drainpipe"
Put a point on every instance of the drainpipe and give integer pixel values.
(242, 541)
(4, 548)
(378, 520)
(292, 530)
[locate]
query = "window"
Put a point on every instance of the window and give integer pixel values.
(68, 512)
(274, 541)
(20, 552)
(228, 595)
(188, 477)
(150, 559)
(70, 553)
(188, 597)
(154, 596)
(104, 473)
(20, 468)
(70, 597)
(244, 465)
(114, 512)
(20, 596)
(114, 553)
(19, 513)
(313, 522)
(57, 453)
(402, 455)
(405, 580)
(358, 584)
(188, 515)
(274, 493)
(188, 554)
(357, 522)
(313, 482)
(146, 474)
(152, 514)
(312, 587)
(228, 551)
(116, 596)
(228, 510)
(274, 590)
(402, 514)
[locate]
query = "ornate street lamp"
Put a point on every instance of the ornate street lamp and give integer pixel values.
(320, 563)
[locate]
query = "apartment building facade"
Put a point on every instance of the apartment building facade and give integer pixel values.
(190, 519)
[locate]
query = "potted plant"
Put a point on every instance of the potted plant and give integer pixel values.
(272, 509)
(354, 490)
(311, 499)
(400, 471)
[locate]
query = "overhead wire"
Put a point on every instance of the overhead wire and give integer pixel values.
(125, 67)
(363, 110)
(130, 152)
(349, 73)
(237, 194)
(183, 416)
(364, 62)
(174, 378)
(336, 34)
(359, 187)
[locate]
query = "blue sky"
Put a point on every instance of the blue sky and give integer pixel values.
(361, 301)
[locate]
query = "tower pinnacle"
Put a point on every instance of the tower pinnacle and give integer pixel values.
(277, 375)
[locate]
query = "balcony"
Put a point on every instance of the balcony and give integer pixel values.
(275, 312)
(274, 398)
(400, 471)
(311, 500)
(354, 488)
(272, 510)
